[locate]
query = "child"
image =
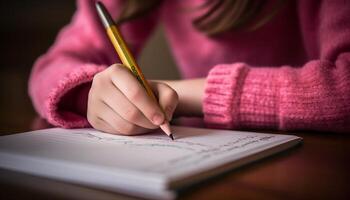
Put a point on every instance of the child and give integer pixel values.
(246, 65)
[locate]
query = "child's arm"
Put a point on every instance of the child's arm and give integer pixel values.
(315, 96)
(60, 80)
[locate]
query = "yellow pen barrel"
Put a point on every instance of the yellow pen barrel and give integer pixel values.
(127, 58)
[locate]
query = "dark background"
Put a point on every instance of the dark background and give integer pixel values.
(28, 29)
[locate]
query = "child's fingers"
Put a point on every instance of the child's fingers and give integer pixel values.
(101, 125)
(134, 91)
(120, 125)
(121, 105)
(167, 97)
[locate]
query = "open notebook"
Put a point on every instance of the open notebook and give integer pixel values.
(149, 166)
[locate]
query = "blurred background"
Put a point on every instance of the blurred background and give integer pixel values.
(28, 28)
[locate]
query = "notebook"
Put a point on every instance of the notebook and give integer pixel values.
(149, 166)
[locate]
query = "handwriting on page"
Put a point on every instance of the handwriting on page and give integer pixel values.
(193, 152)
(203, 155)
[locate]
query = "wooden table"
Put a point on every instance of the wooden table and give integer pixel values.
(317, 169)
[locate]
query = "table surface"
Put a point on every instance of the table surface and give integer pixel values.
(316, 169)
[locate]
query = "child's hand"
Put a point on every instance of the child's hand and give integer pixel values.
(117, 103)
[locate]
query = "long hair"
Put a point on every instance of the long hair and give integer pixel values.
(220, 15)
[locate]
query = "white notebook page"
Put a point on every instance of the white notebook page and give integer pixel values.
(147, 161)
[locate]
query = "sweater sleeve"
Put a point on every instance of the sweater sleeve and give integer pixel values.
(60, 79)
(315, 96)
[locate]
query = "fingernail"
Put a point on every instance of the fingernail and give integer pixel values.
(157, 119)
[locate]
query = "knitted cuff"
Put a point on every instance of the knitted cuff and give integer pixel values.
(240, 97)
(66, 118)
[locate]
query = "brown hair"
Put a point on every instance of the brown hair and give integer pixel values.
(220, 15)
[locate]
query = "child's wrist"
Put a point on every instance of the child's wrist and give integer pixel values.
(190, 96)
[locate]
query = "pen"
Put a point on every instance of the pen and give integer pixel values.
(126, 57)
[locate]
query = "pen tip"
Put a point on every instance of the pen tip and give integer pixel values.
(166, 128)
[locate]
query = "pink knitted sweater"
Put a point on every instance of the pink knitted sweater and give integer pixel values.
(291, 74)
